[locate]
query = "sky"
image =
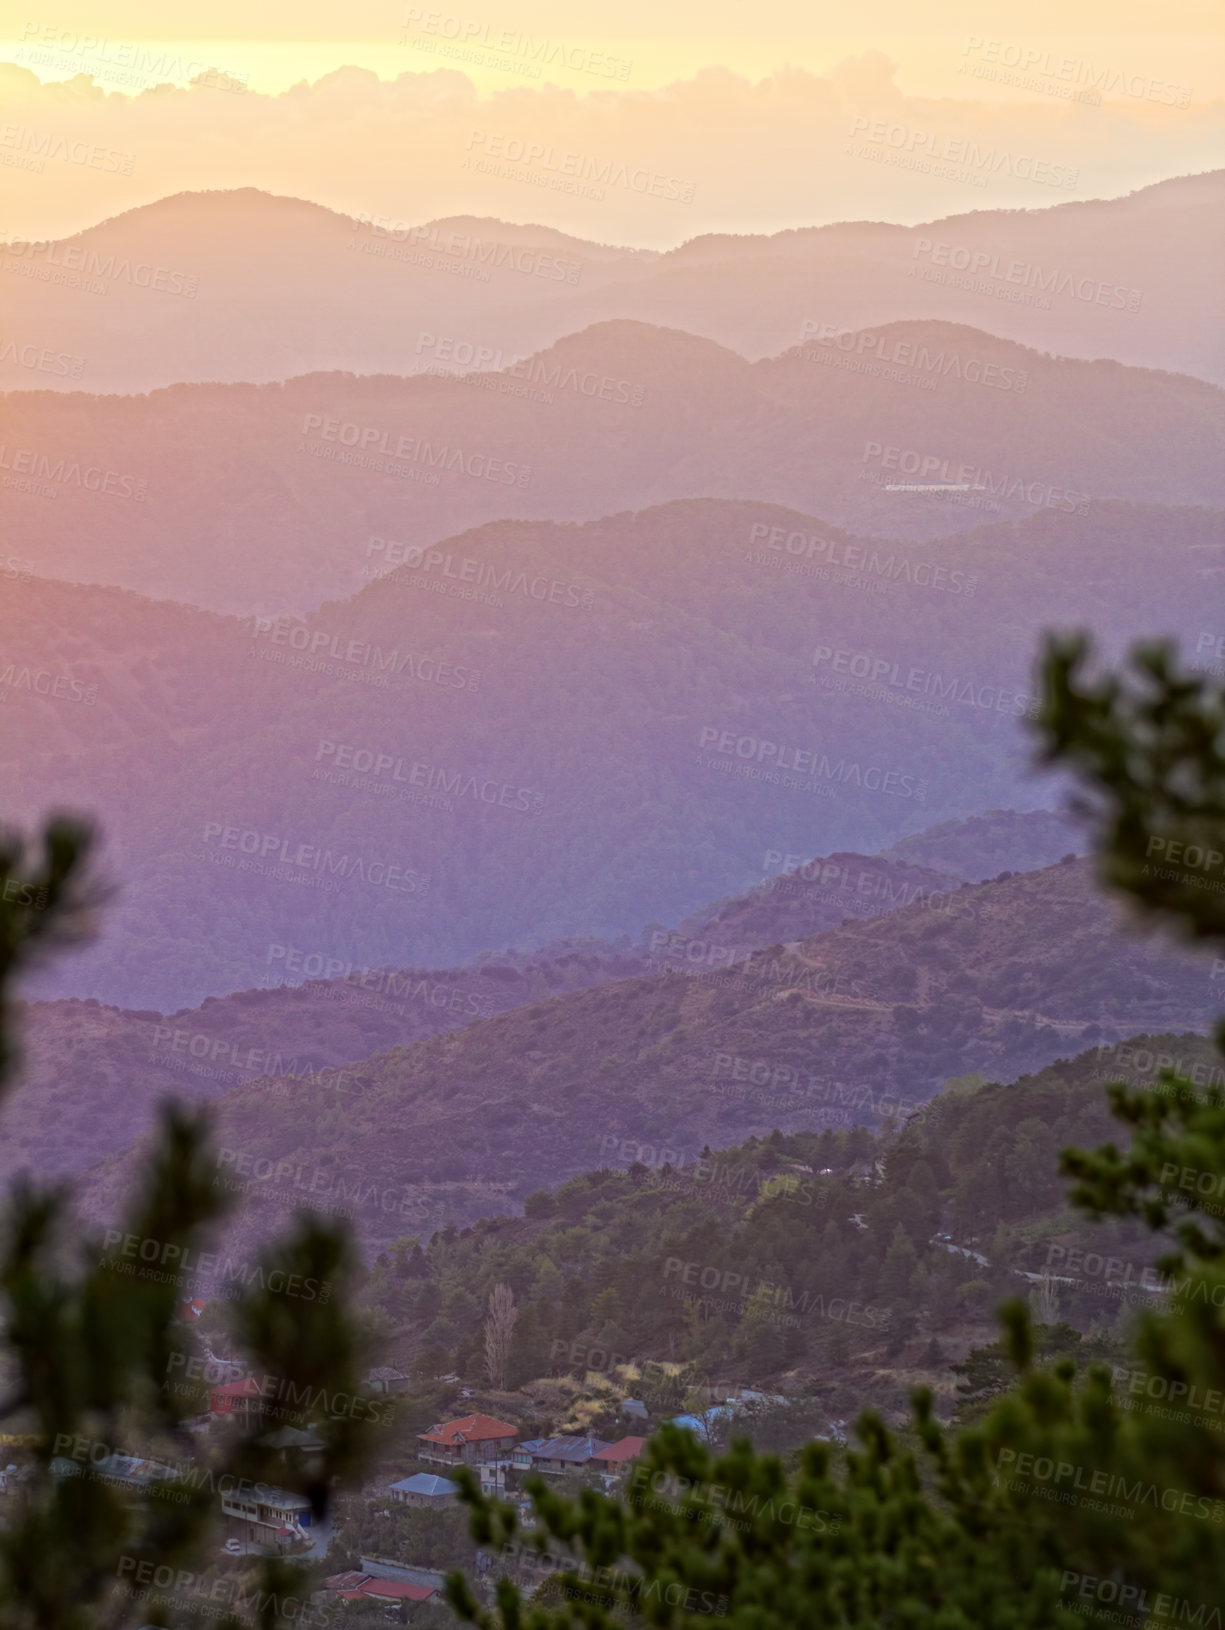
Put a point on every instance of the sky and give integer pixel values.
(636, 124)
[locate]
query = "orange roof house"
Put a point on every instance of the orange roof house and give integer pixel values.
(470, 1440)
(237, 1398)
(616, 1455)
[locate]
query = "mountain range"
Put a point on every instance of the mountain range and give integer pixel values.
(245, 285)
(411, 778)
(862, 1022)
(268, 499)
(104, 1068)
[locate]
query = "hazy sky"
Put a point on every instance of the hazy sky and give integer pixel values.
(634, 123)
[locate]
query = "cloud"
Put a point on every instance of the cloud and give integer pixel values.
(716, 151)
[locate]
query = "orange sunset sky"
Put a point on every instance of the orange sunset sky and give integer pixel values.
(636, 123)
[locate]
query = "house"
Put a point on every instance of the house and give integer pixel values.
(472, 1440)
(424, 1489)
(705, 1427)
(615, 1455)
(635, 1409)
(242, 1399)
(388, 1381)
(130, 1473)
(356, 1586)
(379, 1568)
(291, 1440)
(557, 1455)
(521, 1456)
(263, 1515)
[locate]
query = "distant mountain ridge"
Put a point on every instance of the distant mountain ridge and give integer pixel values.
(866, 1019)
(266, 500)
(549, 769)
(282, 287)
(103, 1069)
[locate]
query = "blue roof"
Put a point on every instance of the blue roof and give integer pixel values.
(576, 1449)
(426, 1483)
(694, 1423)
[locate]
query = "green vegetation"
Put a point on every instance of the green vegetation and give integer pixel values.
(92, 1345)
(1066, 1494)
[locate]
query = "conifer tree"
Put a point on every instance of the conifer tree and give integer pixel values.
(1065, 1499)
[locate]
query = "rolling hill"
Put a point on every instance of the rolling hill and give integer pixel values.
(103, 1070)
(865, 1021)
(267, 499)
(258, 287)
(410, 778)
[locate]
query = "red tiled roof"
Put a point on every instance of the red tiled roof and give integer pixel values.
(468, 1429)
(626, 1449)
(396, 1591)
(360, 1587)
(238, 1389)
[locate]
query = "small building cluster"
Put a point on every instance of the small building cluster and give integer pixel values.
(480, 1440)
